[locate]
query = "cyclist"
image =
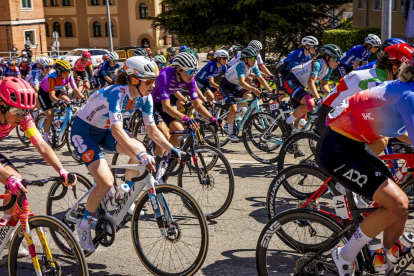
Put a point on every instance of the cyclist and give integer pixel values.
(160, 61)
(234, 85)
(17, 99)
(183, 47)
(170, 81)
(100, 122)
(81, 64)
(24, 68)
(306, 75)
(2, 67)
(51, 91)
(11, 69)
(149, 52)
(140, 52)
(106, 74)
(352, 59)
(295, 58)
(37, 64)
(171, 52)
(39, 74)
(214, 68)
(383, 111)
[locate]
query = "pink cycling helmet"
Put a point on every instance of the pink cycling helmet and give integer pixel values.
(18, 93)
(86, 54)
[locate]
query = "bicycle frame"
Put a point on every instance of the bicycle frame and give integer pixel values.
(65, 123)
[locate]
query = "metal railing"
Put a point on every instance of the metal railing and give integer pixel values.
(35, 54)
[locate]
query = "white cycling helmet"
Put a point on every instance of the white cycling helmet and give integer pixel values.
(38, 60)
(310, 40)
(185, 61)
(256, 44)
(141, 67)
(46, 61)
(374, 40)
(220, 54)
(112, 56)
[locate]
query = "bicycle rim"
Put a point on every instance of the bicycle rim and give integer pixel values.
(22, 136)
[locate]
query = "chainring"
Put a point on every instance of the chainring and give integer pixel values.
(107, 237)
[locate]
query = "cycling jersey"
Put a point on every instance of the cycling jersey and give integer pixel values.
(304, 71)
(25, 67)
(210, 70)
(358, 52)
(111, 104)
(34, 66)
(107, 70)
(383, 111)
(241, 70)
(167, 83)
(236, 59)
(80, 66)
(296, 58)
(11, 71)
(29, 127)
(37, 76)
(370, 65)
(53, 82)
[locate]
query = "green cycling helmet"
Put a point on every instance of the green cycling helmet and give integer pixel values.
(160, 60)
(249, 52)
(188, 50)
(331, 50)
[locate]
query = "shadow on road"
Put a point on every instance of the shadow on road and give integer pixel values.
(256, 170)
(260, 213)
(244, 265)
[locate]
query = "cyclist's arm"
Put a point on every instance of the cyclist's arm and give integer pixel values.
(180, 96)
(325, 87)
(198, 105)
(404, 138)
(76, 93)
(91, 70)
(264, 69)
(52, 93)
(48, 155)
(245, 85)
(264, 83)
(159, 138)
(200, 95)
(212, 83)
(356, 64)
(124, 140)
(312, 88)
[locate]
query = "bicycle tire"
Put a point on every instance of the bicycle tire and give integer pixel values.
(209, 192)
(295, 146)
(194, 216)
(79, 266)
(56, 194)
(258, 149)
(39, 122)
(71, 149)
(281, 197)
(276, 228)
(22, 136)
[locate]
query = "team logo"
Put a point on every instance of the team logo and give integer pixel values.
(367, 116)
(78, 143)
(355, 176)
(88, 156)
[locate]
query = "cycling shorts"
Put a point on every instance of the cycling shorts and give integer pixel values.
(320, 118)
(229, 91)
(351, 163)
(87, 140)
(82, 75)
(294, 89)
(343, 70)
(161, 116)
(204, 86)
(4, 161)
(44, 99)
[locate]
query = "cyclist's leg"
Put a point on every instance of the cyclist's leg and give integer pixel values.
(10, 168)
(46, 104)
(63, 96)
(378, 146)
(175, 126)
(163, 127)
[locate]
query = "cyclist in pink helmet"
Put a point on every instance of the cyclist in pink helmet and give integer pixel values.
(81, 64)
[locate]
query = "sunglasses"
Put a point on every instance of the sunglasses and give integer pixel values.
(48, 67)
(18, 111)
(312, 47)
(336, 59)
(149, 82)
(190, 72)
(161, 64)
(253, 58)
(225, 58)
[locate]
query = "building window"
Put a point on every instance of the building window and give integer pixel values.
(47, 30)
(68, 29)
(376, 4)
(44, 3)
(56, 27)
(110, 2)
(94, 2)
(27, 4)
(143, 11)
(32, 37)
(97, 32)
(112, 29)
(66, 3)
(54, 3)
(145, 43)
(360, 4)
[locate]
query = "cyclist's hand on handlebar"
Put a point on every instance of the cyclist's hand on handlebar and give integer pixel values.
(70, 178)
(147, 160)
(188, 104)
(256, 91)
(15, 185)
(176, 153)
(62, 103)
(191, 123)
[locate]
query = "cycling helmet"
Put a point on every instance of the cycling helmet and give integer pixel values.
(63, 66)
(160, 59)
(374, 40)
(310, 40)
(18, 93)
(10, 62)
(331, 50)
(256, 44)
(249, 52)
(403, 53)
(171, 50)
(24, 60)
(185, 61)
(188, 50)
(63, 58)
(47, 61)
(391, 41)
(183, 47)
(86, 54)
(141, 67)
(112, 56)
(105, 57)
(139, 52)
(220, 54)
(38, 60)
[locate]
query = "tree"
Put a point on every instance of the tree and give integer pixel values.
(278, 24)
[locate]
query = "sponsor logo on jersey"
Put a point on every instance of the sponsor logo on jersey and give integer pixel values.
(88, 156)
(367, 116)
(356, 177)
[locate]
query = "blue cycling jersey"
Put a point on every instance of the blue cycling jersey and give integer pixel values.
(296, 58)
(368, 65)
(210, 71)
(109, 105)
(358, 52)
(106, 69)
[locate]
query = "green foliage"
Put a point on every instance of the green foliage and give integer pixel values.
(346, 39)
(345, 24)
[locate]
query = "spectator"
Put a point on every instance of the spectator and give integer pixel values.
(29, 52)
(28, 43)
(14, 50)
(53, 49)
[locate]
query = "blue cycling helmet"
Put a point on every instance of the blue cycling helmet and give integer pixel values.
(10, 62)
(183, 48)
(391, 41)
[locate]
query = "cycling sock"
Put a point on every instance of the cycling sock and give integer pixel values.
(230, 129)
(86, 221)
(354, 246)
(130, 183)
(46, 136)
(290, 119)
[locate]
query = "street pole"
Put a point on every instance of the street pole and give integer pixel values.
(386, 20)
(108, 19)
(8, 41)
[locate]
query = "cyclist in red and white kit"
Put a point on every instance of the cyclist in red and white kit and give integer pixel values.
(79, 70)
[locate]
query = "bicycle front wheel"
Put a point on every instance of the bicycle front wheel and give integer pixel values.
(41, 229)
(213, 184)
(184, 249)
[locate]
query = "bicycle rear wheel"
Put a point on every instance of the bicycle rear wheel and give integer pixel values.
(184, 250)
(71, 149)
(56, 264)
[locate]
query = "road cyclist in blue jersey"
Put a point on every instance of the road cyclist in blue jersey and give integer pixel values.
(107, 72)
(358, 55)
(100, 123)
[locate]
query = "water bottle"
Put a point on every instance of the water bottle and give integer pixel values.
(121, 190)
(56, 122)
(378, 255)
(399, 248)
(302, 123)
(109, 201)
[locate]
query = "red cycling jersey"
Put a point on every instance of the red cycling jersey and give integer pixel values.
(29, 127)
(80, 66)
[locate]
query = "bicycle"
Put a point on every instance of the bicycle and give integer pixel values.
(210, 179)
(37, 231)
(172, 222)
